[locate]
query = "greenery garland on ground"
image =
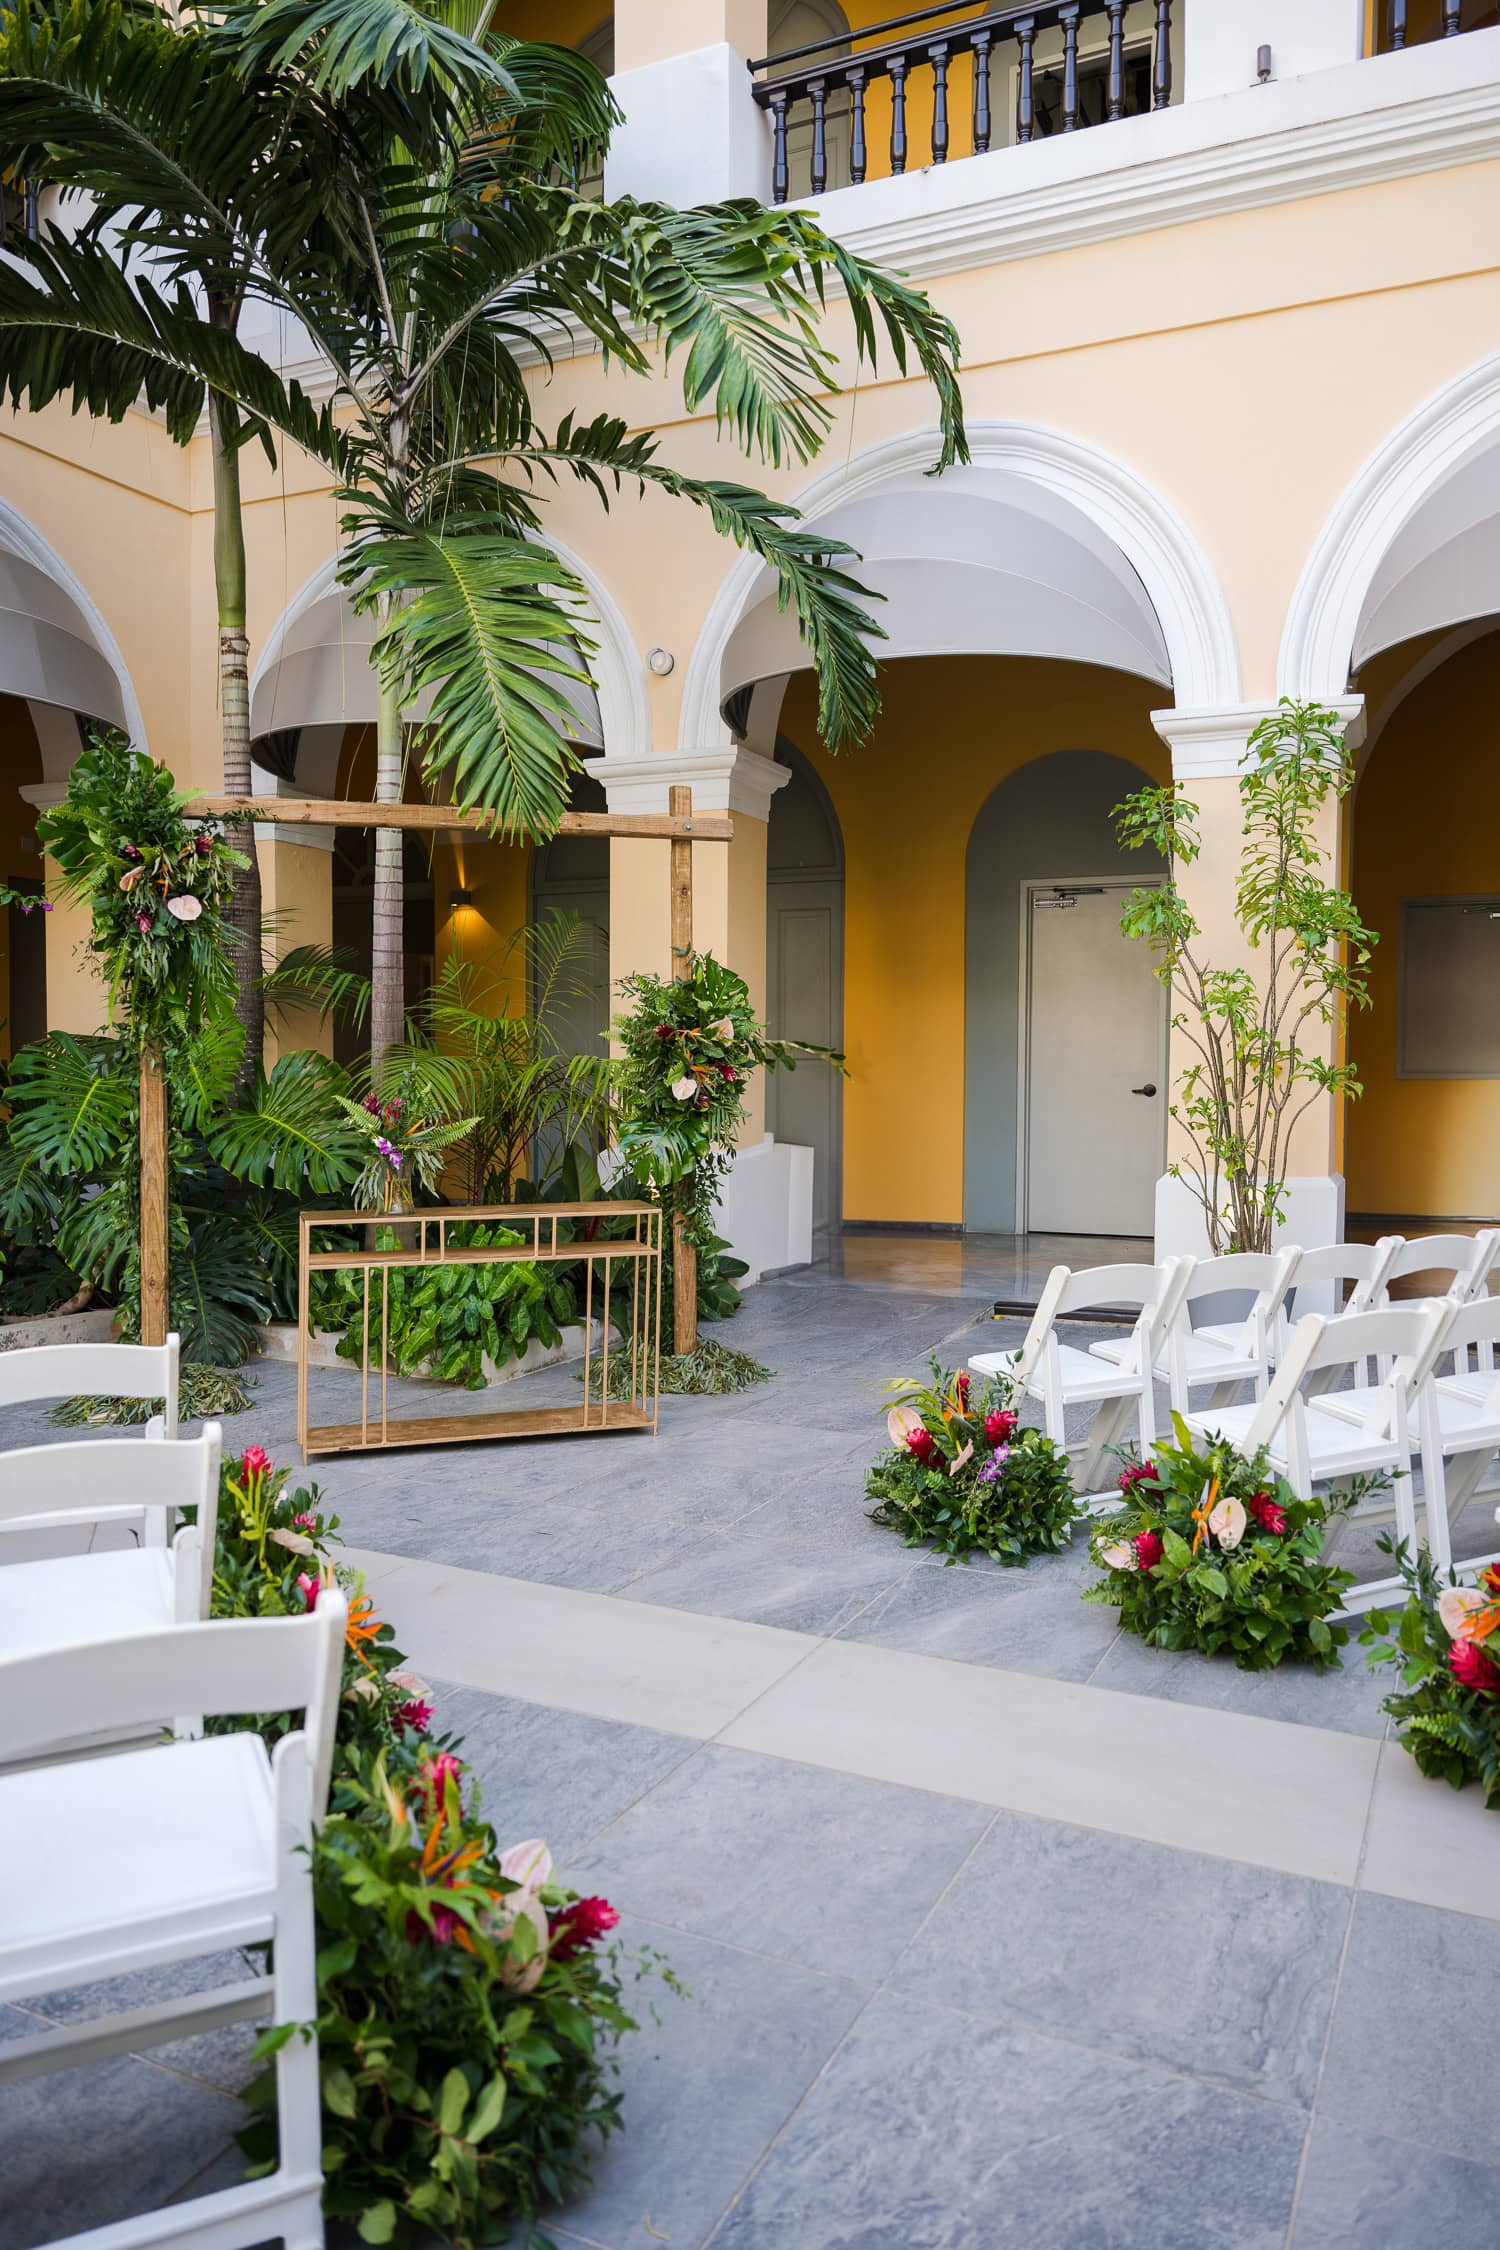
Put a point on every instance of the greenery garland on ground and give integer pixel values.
(1446, 1640)
(468, 2014)
(962, 1475)
(1212, 1552)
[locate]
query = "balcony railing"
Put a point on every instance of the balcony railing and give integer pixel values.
(1409, 21)
(824, 120)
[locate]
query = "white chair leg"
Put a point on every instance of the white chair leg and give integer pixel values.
(1434, 1483)
(294, 1974)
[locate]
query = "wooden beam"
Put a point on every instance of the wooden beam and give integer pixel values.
(155, 1214)
(294, 812)
(684, 1253)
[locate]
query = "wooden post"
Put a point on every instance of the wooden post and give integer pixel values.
(684, 1255)
(154, 1222)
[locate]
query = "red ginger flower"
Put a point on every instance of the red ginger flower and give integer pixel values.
(1148, 1549)
(255, 1461)
(1000, 1425)
(1266, 1512)
(437, 1773)
(922, 1443)
(962, 1388)
(574, 1928)
(1139, 1472)
(414, 1717)
(1472, 1669)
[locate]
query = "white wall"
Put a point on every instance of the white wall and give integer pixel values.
(1224, 36)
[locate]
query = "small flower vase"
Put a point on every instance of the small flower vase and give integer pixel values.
(394, 1200)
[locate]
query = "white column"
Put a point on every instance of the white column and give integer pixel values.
(693, 132)
(1208, 750)
(1223, 39)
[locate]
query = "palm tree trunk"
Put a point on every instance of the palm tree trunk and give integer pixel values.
(244, 915)
(387, 948)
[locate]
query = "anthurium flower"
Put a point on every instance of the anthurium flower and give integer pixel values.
(685, 1088)
(185, 907)
(298, 1543)
(1119, 1555)
(1227, 1522)
(723, 1029)
(1456, 1605)
(529, 1865)
(900, 1423)
(961, 1460)
(131, 877)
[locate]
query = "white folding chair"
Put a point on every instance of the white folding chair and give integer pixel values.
(165, 1580)
(1059, 1375)
(172, 1853)
(1467, 1259)
(1459, 1420)
(96, 1371)
(1314, 1437)
(1225, 1353)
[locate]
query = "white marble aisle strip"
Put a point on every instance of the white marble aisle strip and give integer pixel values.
(1303, 1800)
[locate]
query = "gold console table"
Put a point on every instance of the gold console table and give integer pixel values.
(426, 1243)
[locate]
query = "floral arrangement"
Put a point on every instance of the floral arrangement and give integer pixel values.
(468, 2009)
(1209, 1551)
(406, 1152)
(688, 1050)
(156, 884)
(963, 1476)
(1447, 1642)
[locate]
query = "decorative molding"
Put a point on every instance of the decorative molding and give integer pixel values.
(1442, 437)
(1177, 575)
(1210, 745)
(726, 779)
(42, 794)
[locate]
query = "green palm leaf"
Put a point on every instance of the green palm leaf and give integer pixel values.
(73, 1104)
(290, 1132)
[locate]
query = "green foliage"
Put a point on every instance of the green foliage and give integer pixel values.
(1451, 1729)
(447, 1321)
(1261, 1040)
(689, 1048)
(1212, 1552)
(203, 1394)
(962, 1476)
(290, 1131)
(467, 2014)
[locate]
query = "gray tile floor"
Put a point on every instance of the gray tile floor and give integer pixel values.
(914, 2025)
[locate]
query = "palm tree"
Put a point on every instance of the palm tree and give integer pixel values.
(453, 253)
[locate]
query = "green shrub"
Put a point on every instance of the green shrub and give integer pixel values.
(962, 1475)
(1212, 1552)
(447, 1320)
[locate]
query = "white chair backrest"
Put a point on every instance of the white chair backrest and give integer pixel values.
(1363, 1265)
(1268, 1277)
(1477, 1322)
(93, 1371)
(233, 1668)
(1400, 1337)
(1152, 1292)
(1466, 1258)
(104, 1478)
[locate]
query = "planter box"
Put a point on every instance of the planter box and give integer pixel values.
(97, 1326)
(280, 1342)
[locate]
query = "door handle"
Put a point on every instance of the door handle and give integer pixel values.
(1143, 1089)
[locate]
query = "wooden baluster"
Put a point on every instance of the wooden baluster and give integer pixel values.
(1398, 25)
(780, 174)
(1161, 72)
(1451, 24)
(818, 89)
(982, 41)
(1068, 18)
(1115, 10)
(855, 81)
(1025, 88)
(939, 58)
(897, 68)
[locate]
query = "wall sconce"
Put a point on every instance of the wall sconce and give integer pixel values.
(457, 899)
(661, 661)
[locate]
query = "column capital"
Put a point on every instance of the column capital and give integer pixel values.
(310, 836)
(43, 794)
(1210, 745)
(729, 779)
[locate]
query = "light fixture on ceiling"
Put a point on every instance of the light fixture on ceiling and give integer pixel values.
(661, 661)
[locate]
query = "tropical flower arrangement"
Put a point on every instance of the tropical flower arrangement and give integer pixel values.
(157, 885)
(468, 2008)
(1447, 1642)
(1210, 1551)
(406, 1152)
(963, 1476)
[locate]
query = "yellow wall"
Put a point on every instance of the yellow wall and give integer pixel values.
(1426, 823)
(952, 728)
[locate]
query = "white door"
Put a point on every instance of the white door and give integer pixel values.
(1095, 1097)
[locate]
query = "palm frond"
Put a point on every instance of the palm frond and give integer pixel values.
(321, 977)
(290, 1132)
